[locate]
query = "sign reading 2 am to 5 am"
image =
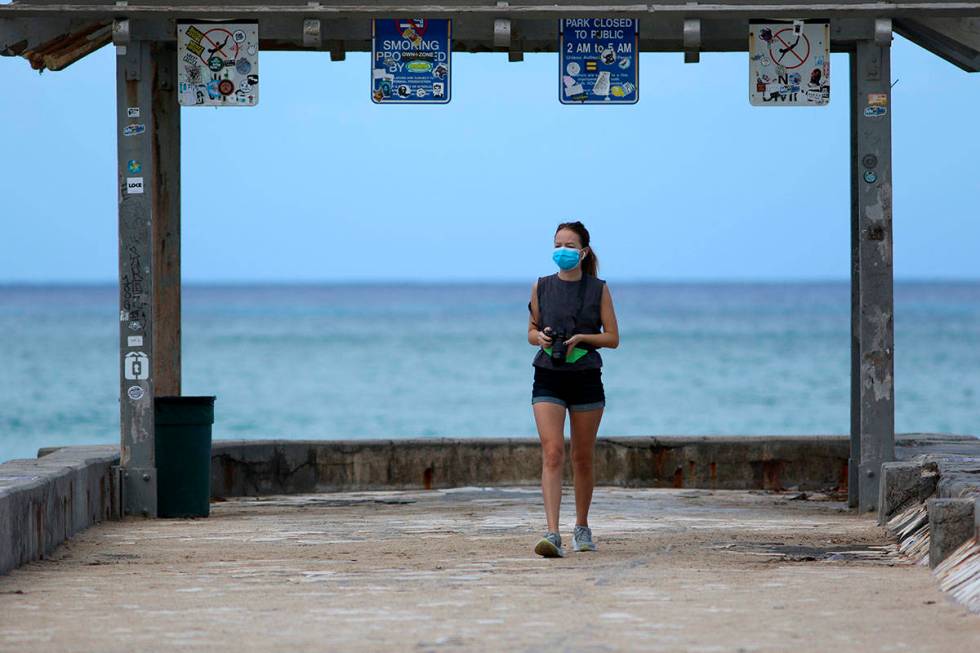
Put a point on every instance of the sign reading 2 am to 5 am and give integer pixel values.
(599, 61)
(410, 60)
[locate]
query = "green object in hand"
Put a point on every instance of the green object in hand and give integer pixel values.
(572, 356)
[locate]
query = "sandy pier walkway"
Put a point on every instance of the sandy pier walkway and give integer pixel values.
(452, 570)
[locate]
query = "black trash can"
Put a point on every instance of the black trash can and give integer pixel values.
(183, 455)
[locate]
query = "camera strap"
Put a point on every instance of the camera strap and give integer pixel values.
(581, 303)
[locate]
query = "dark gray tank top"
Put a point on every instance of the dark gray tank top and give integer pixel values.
(558, 307)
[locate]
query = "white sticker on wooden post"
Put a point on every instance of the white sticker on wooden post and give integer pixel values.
(218, 64)
(789, 63)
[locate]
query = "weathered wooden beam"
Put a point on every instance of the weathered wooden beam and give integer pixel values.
(854, 461)
(134, 100)
(473, 32)
(872, 230)
(52, 44)
(325, 10)
(165, 191)
(957, 40)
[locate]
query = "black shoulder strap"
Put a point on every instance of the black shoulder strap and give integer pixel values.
(538, 292)
(581, 302)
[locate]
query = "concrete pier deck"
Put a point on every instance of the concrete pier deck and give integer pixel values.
(452, 570)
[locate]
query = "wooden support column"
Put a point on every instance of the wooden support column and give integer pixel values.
(872, 353)
(854, 460)
(135, 169)
(165, 142)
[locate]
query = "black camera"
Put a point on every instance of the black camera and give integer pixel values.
(558, 348)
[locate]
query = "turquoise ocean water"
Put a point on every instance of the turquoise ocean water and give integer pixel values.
(374, 360)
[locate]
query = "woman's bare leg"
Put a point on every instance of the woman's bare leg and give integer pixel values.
(550, 418)
(585, 425)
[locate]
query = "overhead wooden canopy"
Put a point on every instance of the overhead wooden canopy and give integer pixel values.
(53, 34)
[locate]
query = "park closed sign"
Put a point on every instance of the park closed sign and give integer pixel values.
(599, 61)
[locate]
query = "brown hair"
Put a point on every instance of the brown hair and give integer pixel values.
(590, 265)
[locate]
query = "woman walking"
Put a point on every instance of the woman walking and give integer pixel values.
(571, 317)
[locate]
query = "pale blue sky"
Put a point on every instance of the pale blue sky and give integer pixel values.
(317, 183)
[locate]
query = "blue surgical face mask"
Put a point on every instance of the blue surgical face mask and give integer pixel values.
(565, 257)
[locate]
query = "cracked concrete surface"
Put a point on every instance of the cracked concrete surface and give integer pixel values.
(452, 570)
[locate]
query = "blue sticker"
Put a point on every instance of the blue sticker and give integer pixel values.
(134, 167)
(133, 130)
(599, 61)
(875, 112)
(870, 176)
(411, 60)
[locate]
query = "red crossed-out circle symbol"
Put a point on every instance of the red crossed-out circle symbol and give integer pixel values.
(787, 50)
(419, 25)
(218, 42)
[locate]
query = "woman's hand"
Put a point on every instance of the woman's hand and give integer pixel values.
(574, 340)
(543, 340)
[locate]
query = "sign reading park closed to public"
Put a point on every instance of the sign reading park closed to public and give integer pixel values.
(789, 63)
(410, 60)
(599, 61)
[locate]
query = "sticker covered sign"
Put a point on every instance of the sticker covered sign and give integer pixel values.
(599, 61)
(789, 63)
(410, 60)
(218, 64)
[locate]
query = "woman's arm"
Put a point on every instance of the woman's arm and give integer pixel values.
(609, 337)
(534, 336)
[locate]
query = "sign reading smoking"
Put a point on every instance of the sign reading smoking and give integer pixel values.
(410, 60)
(599, 61)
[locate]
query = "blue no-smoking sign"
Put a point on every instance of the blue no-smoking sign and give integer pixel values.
(599, 61)
(410, 60)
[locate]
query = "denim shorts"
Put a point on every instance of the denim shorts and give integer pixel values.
(578, 390)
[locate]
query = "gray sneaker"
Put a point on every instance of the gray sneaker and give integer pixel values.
(582, 539)
(549, 546)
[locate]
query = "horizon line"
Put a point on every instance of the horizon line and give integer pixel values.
(474, 281)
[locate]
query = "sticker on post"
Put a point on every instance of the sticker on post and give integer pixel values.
(134, 341)
(136, 366)
(875, 112)
(789, 63)
(135, 392)
(134, 185)
(134, 129)
(877, 99)
(133, 112)
(134, 167)
(598, 61)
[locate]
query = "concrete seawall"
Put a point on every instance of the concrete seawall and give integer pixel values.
(47, 500)
(251, 468)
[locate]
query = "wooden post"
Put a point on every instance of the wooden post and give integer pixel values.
(134, 90)
(165, 142)
(872, 374)
(854, 460)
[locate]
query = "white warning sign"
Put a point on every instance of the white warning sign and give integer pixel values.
(789, 63)
(218, 64)
(136, 366)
